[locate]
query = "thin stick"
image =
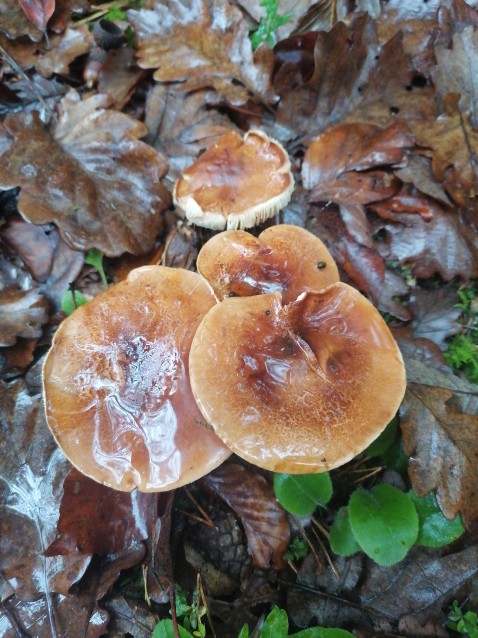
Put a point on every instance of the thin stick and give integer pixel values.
(199, 507)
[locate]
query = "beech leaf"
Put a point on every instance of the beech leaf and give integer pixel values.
(38, 11)
(101, 185)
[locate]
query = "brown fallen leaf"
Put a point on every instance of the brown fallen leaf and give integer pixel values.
(440, 432)
(14, 23)
(32, 244)
(38, 11)
(181, 125)
(15, 359)
(54, 56)
(202, 47)
(252, 498)
(418, 171)
(455, 150)
(435, 314)
(101, 185)
(22, 314)
(119, 76)
(429, 247)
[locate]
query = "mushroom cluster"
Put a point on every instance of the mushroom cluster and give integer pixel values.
(264, 353)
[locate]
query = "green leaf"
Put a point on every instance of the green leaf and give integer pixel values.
(383, 441)
(323, 632)
(244, 633)
(164, 629)
(434, 529)
(67, 304)
(341, 538)
(276, 625)
(94, 257)
(384, 522)
(300, 494)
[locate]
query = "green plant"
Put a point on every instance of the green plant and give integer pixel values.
(463, 623)
(94, 257)
(276, 625)
(462, 354)
(297, 550)
(300, 494)
(71, 300)
(268, 25)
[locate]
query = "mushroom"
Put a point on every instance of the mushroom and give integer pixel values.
(301, 387)
(116, 384)
(286, 259)
(236, 183)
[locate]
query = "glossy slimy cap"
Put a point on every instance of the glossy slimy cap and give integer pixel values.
(116, 384)
(236, 183)
(297, 388)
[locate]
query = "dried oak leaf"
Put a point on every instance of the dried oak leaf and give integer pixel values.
(440, 432)
(455, 150)
(455, 71)
(204, 47)
(435, 314)
(22, 314)
(252, 498)
(100, 186)
(54, 56)
(181, 125)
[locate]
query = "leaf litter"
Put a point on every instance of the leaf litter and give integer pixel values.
(379, 115)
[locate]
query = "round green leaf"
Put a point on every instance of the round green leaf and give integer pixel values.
(300, 494)
(341, 538)
(323, 632)
(276, 625)
(164, 629)
(383, 441)
(384, 522)
(434, 529)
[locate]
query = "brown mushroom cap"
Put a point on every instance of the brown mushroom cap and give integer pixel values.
(297, 388)
(116, 384)
(285, 259)
(236, 183)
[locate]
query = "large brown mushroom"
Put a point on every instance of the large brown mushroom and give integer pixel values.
(297, 388)
(286, 259)
(116, 384)
(236, 183)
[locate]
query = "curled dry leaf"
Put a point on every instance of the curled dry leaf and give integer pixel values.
(186, 41)
(22, 314)
(436, 314)
(252, 498)
(101, 185)
(14, 23)
(440, 432)
(38, 11)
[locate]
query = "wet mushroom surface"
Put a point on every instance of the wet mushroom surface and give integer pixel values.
(286, 259)
(116, 384)
(236, 183)
(301, 387)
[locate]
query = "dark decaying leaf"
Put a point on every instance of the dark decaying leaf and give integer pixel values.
(455, 149)
(437, 246)
(185, 40)
(119, 76)
(181, 126)
(15, 359)
(440, 432)
(130, 617)
(95, 519)
(101, 185)
(22, 314)
(419, 348)
(252, 498)
(32, 243)
(418, 171)
(436, 317)
(442, 574)
(38, 11)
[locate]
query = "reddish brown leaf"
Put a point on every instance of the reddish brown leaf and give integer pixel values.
(32, 244)
(95, 519)
(119, 76)
(14, 23)
(418, 348)
(188, 42)
(418, 171)
(101, 185)
(440, 433)
(15, 359)
(22, 314)
(436, 315)
(252, 498)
